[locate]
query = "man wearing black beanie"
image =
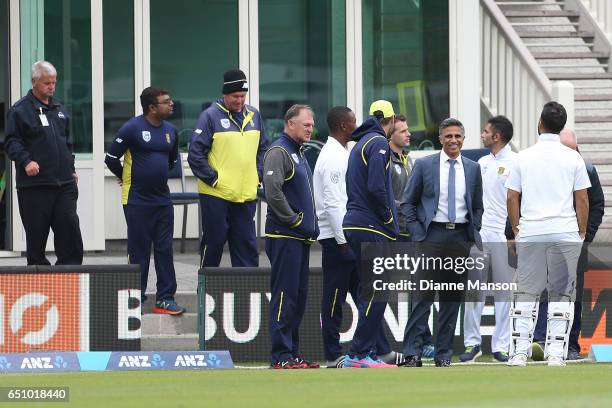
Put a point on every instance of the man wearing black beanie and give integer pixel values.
(226, 154)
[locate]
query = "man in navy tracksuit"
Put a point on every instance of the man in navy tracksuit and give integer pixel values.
(370, 217)
(291, 227)
(149, 145)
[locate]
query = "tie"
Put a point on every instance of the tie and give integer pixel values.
(451, 190)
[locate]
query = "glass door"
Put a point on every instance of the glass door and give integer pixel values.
(5, 169)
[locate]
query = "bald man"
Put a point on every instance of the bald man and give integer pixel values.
(596, 211)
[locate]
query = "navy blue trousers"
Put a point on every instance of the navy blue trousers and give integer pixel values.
(417, 329)
(224, 221)
(152, 225)
(289, 259)
(369, 335)
(340, 277)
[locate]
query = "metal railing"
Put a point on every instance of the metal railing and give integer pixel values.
(601, 10)
(512, 82)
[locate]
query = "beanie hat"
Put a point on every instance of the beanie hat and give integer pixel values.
(234, 80)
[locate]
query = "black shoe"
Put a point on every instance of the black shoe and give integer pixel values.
(412, 361)
(443, 363)
(573, 355)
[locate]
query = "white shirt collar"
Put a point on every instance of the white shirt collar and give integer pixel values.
(549, 137)
(336, 143)
(505, 151)
(444, 158)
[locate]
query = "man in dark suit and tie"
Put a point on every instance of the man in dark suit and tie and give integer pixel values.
(443, 207)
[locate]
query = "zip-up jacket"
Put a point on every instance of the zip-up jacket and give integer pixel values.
(370, 205)
(226, 152)
(28, 139)
(400, 173)
(288, 188)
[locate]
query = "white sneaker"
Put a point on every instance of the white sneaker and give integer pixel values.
(517, 360)
(554, 361)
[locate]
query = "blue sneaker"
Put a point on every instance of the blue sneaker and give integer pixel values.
(168, 306)
(470, 354)
(500, 356)
(366, 362)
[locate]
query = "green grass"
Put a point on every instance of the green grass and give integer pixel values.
(535, 386)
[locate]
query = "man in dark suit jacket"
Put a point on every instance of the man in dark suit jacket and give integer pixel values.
(442, 204)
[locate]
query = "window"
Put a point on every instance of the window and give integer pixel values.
(302, 59)
(191, 47)
(405, 60)
(59, 31)
(5, 165)
(118, 65)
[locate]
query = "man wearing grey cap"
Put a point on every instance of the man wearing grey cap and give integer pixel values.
(226, 155)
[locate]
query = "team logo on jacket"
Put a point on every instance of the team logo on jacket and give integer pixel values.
(225, 123)
(61, 115)
(398, 169)
(146, 135)
(335, 177)
(295, 158)
(168, 138)
(500, 170)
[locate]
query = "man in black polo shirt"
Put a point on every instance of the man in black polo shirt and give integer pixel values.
(38, 141)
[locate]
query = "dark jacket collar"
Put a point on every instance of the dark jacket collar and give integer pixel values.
(53, 102)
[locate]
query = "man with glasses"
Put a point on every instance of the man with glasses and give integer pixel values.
(149, 146)
(226, 155)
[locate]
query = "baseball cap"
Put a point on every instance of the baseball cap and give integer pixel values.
(384, 106)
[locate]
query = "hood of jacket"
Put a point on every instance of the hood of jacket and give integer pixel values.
(370, 125)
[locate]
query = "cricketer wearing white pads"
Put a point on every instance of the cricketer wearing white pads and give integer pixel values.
(495, 169)
(546, 180)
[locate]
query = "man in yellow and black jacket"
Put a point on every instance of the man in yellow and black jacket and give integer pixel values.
(226, 154)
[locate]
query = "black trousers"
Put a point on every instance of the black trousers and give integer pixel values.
(440, 243)
(52, 207)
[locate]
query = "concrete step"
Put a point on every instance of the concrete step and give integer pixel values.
(189, 300)
(598, 157)
(596, 147)
(187, 342)
(575, 75)
(593, 119)
(538, 25)
(594, 138)
(592, 112)
(157, 324)
(593, 127)
(569, 68)
(593, 97)
(541, 13)
(528, 3)
(556, 44)
(556, 34)
(572, 55)
(605, 179)
(604, 168)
